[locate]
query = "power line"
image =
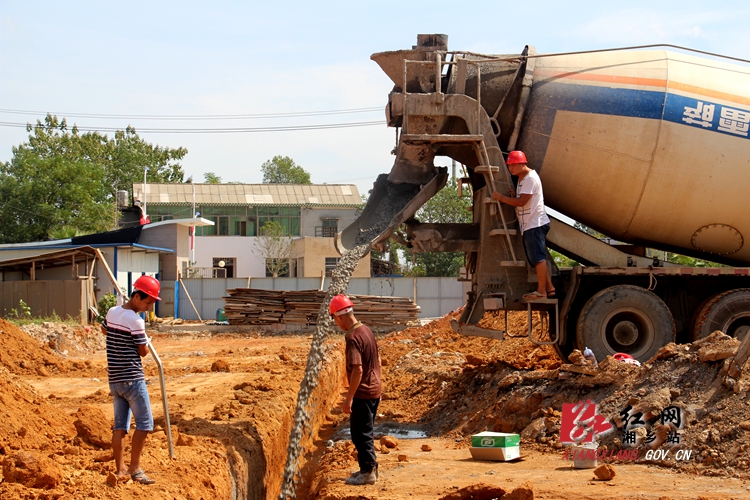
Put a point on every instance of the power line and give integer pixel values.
(217, 130)
(194, 117)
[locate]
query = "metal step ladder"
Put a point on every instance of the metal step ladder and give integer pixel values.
(543, 305)
(487, 170)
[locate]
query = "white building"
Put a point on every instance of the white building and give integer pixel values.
(311, 214)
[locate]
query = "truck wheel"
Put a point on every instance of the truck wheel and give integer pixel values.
(727, 311)
(625, 318)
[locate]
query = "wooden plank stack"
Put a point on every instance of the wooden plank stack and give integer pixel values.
(247, 306)
(302, 307)
(377, 311)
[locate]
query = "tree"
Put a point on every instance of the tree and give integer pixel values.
(211, 178)
(61, 177)
(40, 196)
(275, 248)
(283, 170)
(445, 207)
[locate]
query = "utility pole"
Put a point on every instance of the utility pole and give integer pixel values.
(145, 171)
(192, 228)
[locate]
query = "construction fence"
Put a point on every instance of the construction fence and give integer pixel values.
(47, 298)
(435, 296)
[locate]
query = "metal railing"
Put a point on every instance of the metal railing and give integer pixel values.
(206, 272)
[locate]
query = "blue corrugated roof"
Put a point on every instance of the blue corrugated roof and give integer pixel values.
(134, 245)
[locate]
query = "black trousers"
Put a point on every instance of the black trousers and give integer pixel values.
(361, 425)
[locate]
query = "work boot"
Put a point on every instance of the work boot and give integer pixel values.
(357, 473)
(362, 478)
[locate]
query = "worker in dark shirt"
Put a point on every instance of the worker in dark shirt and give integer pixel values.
(363, 396)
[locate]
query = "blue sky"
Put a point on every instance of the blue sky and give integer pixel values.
(245, 58)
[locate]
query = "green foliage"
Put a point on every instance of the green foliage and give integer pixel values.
(690, 261)
(561, 260)
(107, 302)
(444, 207)
(447, 207)
(22, 313)
(274, 247)
(283, 170)
(64, 232)
(61, 177)
(436, 264)
(211, 178)
(192, 272)
(415, 271)
(650, 252)
(41, 195)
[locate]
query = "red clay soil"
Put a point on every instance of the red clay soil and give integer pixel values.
(452, 387)
(230, 427)
(232, 396)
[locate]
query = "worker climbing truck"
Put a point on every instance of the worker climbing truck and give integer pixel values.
(649, 147)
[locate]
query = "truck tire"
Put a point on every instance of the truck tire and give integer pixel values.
(625, 318)
(727, 311)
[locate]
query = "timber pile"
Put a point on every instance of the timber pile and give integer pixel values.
(302, 307)
(247, 306)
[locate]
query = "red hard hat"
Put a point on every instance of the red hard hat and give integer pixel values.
(516, 157)
(148, 285)
(339, 305)
(622, 356)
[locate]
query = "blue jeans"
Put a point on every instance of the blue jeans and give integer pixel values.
(535, 244)
(131, 397)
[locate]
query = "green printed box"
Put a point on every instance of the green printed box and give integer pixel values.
(494, 440)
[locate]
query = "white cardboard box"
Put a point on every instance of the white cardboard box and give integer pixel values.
(500, 453)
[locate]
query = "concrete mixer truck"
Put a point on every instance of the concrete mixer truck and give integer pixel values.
(648, 147)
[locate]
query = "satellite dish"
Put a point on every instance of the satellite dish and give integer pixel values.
(222, 263)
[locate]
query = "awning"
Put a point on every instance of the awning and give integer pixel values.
(58, 258)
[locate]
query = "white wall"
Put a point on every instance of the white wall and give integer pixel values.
(127, 261)
(241, 248)
(435, 296)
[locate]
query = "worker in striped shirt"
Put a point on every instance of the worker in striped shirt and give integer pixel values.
(126, 345)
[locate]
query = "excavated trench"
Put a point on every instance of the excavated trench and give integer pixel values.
(257, 449)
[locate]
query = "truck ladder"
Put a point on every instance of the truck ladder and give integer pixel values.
(487, 170)
(477, 142)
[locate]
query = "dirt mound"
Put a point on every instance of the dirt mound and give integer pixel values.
(66, 339)
(423, 366)
(28, 421)
(457, 386)
(23, 355)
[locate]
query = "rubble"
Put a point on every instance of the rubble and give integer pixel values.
(389, 442)
(93, 426)
(716, 347)
(479, 491)
(33, 470)
(604, 472)
(523, 492)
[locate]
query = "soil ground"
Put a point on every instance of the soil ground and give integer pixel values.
(231, 399)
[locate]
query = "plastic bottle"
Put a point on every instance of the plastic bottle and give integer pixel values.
(590, 357)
